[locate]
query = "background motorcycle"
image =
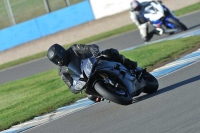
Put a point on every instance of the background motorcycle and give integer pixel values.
(162, 19)
(111, 80)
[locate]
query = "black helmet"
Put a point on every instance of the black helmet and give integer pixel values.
(56, 54)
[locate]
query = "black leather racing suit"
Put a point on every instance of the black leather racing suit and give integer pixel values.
(85, 51)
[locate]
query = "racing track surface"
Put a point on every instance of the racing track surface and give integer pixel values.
(174, 108)
(119, 42)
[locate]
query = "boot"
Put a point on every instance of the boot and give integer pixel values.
(149, 36)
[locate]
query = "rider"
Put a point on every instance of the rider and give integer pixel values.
(137, 16)
(61, 57)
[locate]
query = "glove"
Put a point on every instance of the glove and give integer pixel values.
(94, 49)
(112, 53)
(130, 64)
(96, 53)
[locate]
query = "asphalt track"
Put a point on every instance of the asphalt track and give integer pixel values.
(174, 108)
(119, 42)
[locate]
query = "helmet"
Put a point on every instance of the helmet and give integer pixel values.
(135, 5)
(56, 54)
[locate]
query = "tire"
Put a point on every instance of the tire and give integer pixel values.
(108, 94)
(184, 28)
(151, 83)
(178, 24)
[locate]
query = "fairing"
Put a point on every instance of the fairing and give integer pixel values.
(88, 68)
(119, 71)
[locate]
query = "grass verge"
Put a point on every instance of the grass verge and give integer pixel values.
(24, 99)
(124, 29)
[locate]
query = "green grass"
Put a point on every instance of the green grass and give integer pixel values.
(31, 9)
(24, 99)
(162, 51)
(188, 9)
(4, 21)
(124, 29)
(28, 9)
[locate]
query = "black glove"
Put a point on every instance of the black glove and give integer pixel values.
(96, 53)
(130, 64)
(110, 53)
(94, 49)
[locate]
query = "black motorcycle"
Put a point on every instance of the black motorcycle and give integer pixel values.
(111, 80)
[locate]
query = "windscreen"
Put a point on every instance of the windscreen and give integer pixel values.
(75, 67)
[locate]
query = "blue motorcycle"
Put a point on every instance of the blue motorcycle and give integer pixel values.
(162, 19)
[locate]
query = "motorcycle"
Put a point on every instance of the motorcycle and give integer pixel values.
(111, 80)
(162, 19)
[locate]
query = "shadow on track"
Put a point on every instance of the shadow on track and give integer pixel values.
(166, 89)
(193, 27)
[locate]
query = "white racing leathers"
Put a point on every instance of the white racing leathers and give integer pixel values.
(143, 28)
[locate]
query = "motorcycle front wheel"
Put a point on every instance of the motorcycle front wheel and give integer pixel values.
(178, 24)
(151, 83)
(108, 93)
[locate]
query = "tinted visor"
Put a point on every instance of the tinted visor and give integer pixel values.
(55, 54)
(57, 60)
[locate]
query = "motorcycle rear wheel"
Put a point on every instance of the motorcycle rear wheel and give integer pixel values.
(108, 94)
(151, 83)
